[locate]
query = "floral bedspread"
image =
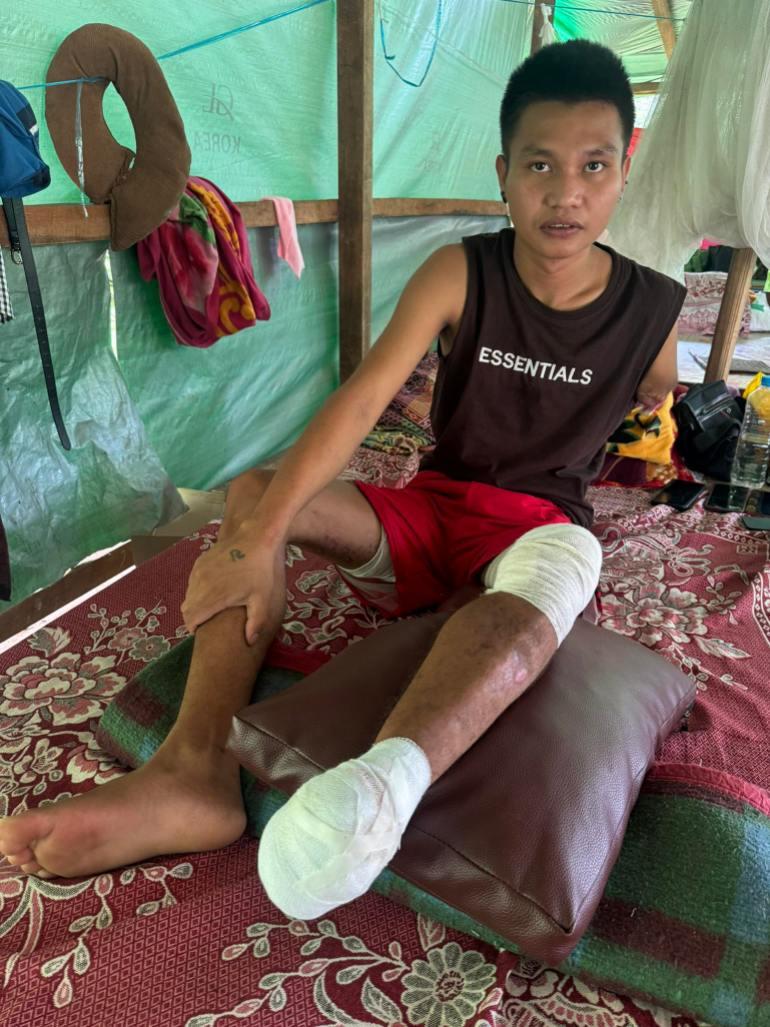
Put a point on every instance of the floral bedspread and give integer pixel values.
(695, 586)
(193, 941)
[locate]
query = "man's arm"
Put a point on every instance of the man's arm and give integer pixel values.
(433, 298)
(662, 376)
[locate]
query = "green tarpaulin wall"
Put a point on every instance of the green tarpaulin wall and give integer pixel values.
(260, 114)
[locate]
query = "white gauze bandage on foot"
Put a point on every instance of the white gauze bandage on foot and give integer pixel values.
(555, 568)
(329, 842)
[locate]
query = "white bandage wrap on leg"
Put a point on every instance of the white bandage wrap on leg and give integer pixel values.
(555, 568)
(329, 842)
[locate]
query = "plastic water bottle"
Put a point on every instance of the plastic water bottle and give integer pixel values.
(753, 450)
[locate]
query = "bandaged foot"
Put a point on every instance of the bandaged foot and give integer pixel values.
(329, 842)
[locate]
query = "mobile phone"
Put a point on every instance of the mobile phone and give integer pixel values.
(680, 495)
(725, 498)
(756, 523)
(757, 516)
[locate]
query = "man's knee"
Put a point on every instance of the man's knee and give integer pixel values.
(555, 568)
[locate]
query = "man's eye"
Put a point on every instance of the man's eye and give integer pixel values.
(595, 165)
(538, 165)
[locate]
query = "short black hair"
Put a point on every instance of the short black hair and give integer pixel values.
(574, 72)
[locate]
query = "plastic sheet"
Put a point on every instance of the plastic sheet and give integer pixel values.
(212, 413)
(636, 39)
(59, 507)
(249, 112)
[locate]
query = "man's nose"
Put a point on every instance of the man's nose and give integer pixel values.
(565, 190)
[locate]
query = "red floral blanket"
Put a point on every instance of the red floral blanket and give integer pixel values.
(696, 587)
(194, 941)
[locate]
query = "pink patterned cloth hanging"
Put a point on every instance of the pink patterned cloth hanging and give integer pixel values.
(288, 243)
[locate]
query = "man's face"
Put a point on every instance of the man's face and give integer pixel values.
(565, 173)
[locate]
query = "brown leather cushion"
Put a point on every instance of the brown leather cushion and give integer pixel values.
(522, 832)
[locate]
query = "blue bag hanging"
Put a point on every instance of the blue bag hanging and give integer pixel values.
(23, 172)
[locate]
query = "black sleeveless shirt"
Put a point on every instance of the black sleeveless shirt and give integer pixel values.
(528, 395)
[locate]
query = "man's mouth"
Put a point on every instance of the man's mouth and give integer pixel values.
(561, 229)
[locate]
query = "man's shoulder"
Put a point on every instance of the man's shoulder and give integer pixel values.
(442, 280)
(447, 264)
(648, 280)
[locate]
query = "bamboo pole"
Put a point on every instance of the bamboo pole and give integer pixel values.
(728, 325)
(662, 10)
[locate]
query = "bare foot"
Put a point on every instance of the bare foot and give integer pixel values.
(174, 803)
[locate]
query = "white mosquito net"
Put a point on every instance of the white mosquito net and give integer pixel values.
(702, 168)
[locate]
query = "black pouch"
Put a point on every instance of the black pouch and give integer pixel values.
(5, 567)
(708, 419)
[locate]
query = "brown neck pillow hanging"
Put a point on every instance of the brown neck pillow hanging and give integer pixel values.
(140, 194)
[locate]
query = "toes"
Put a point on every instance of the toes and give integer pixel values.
(32, 868)
(19, 837)
(24, 831)
(17, 858)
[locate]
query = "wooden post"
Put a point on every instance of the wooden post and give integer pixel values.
(662, 10)
(538, 20)
(728, 324)
(355, 45)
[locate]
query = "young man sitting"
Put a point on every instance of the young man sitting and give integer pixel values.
(546, 340)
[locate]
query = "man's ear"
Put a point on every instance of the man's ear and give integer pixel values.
(626, 169)
(501, 167)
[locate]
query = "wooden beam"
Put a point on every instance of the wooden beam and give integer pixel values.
(406, 208)
(645, 88)
(662, 10)
(81, 579)
(742, 264)
(538, 20)
(52, 224)
(355, 74)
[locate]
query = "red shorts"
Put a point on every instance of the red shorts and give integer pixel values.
(442, 532)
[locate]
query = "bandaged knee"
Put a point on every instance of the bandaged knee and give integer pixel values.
(555, 568)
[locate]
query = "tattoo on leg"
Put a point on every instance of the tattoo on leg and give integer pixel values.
(236, 554)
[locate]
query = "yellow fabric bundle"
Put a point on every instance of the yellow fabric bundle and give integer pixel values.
(646, 435)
